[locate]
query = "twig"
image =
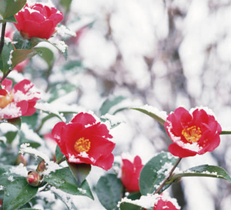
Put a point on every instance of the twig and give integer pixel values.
(170, 174)
(2, 37)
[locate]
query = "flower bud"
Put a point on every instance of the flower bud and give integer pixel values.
(41, 166)
(21, 159)
(34, 178)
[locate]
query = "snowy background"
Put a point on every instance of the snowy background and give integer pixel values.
(165, 53)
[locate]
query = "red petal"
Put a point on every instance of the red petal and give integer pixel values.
(84, 119)
(179, 152)
(24, 86)
(105, 162)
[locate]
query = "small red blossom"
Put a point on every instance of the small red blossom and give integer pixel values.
(84, 140)
(37, 20)
(165, 203)
(131, 173)
(195, 132)
(17, 101)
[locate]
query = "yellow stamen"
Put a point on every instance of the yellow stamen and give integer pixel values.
(192, 134)
(5, 100)
(82, 145)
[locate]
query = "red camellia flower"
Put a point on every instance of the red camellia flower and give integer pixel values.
(131, 173)
(165, 203)
(18, 101)
(194, 132)
(84, 140)
(38, 20)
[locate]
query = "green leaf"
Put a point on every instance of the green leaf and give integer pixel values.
(59, 90)
(17, 193)
(5, 58)
(49, 109)
(58, 154)
(152, 112)
(46, 54)
(153, 172)
(129, 206)
(9, 8)
(203, 171)
(60, 45)
(29, 209)
(68, 202)
(109, 103)
(80, 171)
(20, 55)
(109, 190)
(73, 65)
(64, 180)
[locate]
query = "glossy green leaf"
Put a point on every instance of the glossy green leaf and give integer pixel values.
(18, 193)
(63, 179)
(109, 190)
(152, 112)
(46, 54)
(203, 171)
(58, 154)
(109, 103)
(9, 8)
(5, 58)
(20, 55)
(153, 172)
(80, 171)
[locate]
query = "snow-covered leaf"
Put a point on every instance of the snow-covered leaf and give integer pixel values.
(6, 56)
(17, 191)
(109, 190)
(49, 109)
(16, 122)
(155, 171)
(159, 116)
(63, 179)
(203, 171)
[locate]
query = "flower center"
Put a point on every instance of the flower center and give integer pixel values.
(5, 100)
(192, 134)
(82, 145)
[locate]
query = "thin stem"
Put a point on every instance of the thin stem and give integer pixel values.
(2, 37)
(170, 174)
(4, 76)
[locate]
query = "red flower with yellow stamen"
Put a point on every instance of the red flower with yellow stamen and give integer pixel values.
(84, 140)
(195, 132)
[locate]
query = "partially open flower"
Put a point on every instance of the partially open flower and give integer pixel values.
(17, 101)
(84, 140)
(34, 178)
(194, 132)
(37, 20)
(131, 173)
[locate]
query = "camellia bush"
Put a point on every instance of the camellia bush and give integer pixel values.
(30, 172)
